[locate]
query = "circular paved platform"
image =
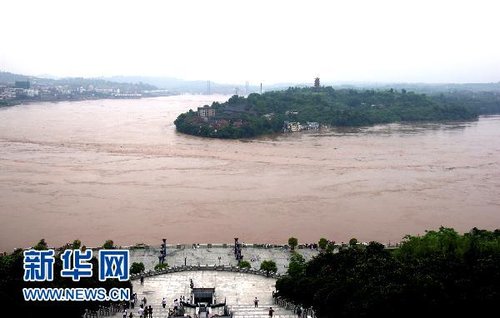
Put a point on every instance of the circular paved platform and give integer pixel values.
(236, 288)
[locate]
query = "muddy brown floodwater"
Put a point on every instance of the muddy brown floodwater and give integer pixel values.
(117, 169)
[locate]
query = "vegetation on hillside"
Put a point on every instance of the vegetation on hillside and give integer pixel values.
(257, 114)
(76, 82)
(441, 273)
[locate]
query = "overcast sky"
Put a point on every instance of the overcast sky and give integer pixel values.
(259, 41)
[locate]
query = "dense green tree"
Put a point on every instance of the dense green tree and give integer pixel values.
(353, 242)
(293, 242)
(41, 245)
(137, 267)
(330, 248)
(323, 243)
(109, 244)
(268, 266)
(76, 244)
(297, 265)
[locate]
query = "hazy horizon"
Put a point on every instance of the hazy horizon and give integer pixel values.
(256, 41)
(241, 82)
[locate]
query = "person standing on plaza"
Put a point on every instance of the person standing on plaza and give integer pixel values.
(164, 302)
(271, 311)
(140, 312)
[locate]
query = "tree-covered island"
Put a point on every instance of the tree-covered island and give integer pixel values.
(297, 109)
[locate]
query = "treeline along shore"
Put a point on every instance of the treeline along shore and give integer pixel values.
(439, 274)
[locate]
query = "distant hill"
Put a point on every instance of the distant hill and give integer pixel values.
(8, 78)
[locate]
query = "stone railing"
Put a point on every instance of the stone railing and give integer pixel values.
(221, 268)
(306, 312)
(208, 245)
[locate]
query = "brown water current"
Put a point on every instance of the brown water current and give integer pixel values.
(117, 169)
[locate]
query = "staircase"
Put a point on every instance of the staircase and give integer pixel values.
(249, 311)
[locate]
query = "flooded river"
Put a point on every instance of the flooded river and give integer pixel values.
(117, 169)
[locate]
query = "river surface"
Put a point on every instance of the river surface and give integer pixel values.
(117, 169)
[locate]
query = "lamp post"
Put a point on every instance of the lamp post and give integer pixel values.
(235, 246)
(163, 251)
(237, 250)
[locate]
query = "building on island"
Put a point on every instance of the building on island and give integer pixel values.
(293, 126)
(206, 112)
(312, 125)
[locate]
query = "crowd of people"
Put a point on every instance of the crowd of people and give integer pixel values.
(145, 311)
(311, 246)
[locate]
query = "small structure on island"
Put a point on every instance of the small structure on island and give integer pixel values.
(206, 112)
(312, 125)
(291, 126)
(316, 82)
(294, 126)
